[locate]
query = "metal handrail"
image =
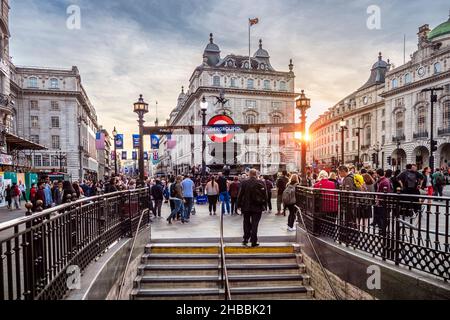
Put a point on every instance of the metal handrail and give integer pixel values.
(224, 272)
(131, 253)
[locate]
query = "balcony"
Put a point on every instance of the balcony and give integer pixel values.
(420, 134)
(444, 131)
(400, 137)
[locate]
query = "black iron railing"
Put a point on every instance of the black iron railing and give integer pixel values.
(409, 230)
(225, 283)
(399, 137)
(420, 134)
(42, 255)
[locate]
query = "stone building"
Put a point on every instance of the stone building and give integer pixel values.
(255, 93)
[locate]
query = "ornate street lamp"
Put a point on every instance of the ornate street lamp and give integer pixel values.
(204, 108)
(141, 108)
(343, 126)
(303, 104)
(114, 134)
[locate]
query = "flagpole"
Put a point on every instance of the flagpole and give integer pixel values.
(249, 45)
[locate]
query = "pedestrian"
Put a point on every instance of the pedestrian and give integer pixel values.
(333, 178)
(67, 192)
(438, 182)
(252, 200)
(48, 203)
(212, 191)
(224, 195)
(23, 190)
(427, 183)
(234, 193)
(384, 185)
(176, 195)
(329, 202)
(281, 184)
(15, 193)
(40, 195)
(158, 196)
(58, 194)
(289, 200)
(348, 208)
(8, 196)
(33, 192)
(188, 195)
(269, 187)
(410, 181)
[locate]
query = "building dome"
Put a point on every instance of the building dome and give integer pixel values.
(440, 30)
(211, 55)
(212, 47)
(261, 53)
(378, 72)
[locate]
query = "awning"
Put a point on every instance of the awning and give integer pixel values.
(16, 143)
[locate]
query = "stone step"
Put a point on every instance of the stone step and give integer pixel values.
(173, 258)
(268, 280)
(272, 292)
(260, 268)
(178, 294)
(179, 269)
(263, 258)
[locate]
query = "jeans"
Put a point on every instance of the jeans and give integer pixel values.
(17, 201)
(225, 201)
(439, 190)
(280, 202)
(251, 223)
(157, 208)
(188, 208)
(269, 202)
(178, 208)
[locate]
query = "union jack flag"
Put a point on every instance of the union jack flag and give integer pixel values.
(253, 21)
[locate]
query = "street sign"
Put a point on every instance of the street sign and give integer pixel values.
(222, 136)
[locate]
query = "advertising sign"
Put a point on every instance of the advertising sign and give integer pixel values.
(222, 137)
(100, 141)
(155, 142)
(135, 141)
(145, 155)
(119, 141)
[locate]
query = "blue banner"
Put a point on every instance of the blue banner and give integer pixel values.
(134, 155)
(145, 155)
(119, 141)
(135, 141)
(155, 142)
(124, 155)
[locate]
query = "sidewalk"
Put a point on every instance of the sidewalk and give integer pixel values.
(6, 214)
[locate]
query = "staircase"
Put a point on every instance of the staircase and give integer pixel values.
(193, 271)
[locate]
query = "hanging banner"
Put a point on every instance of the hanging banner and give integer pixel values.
(135, 141)
(155, 157)
(100, 141)
(134, 155)
(155, 142)
(171, 144)
(145, 155)
(113, 155)
(119, 141)
(124, 155)
(2, 190)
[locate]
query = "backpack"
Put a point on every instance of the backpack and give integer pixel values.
(258, 195)
(439, 179)
(411, 180)
(172, 190)
(289, 197)
(157, 191)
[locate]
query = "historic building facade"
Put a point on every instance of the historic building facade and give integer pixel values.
(255, 93)
(408, 108)
(390, 112)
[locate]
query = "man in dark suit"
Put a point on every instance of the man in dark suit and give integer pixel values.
(252, 200)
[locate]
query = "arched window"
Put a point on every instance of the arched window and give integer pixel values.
(368, 135)
(54, 83)
(437, 67)
(399, 124)
(216, 81)
(276, 119)
(446, 115)
(266, 84)
(282, 85)
(250, 84)
(421, 119)
(33, 82)
(250, 119)
(407, 78)
(394, 83)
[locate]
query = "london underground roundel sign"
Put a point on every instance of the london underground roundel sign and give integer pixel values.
(221, 136)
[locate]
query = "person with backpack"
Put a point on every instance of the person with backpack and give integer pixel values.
(438, 183)
(252, 200)
(289, 200)
(281, 184)
(176, 195)
(410, 181)
(157, 192)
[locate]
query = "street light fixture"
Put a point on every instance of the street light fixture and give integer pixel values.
(114, 133)
(377, 148)
(303, 104)
(204, 108)
(141, 108)
(343, 126)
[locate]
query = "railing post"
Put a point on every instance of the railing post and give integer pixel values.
(28, 266)
(396, 229)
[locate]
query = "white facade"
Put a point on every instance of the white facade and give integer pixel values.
(254, 96)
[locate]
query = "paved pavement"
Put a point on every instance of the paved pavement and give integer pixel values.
(7, 215)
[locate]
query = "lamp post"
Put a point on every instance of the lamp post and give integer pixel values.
(204, 107)
(337, 155)
(141, 108)
(303, 104)
(343, 126)
(398, 154)
(60, 156)
(377, 148)
(359, 143)
(114, 133)
(433, 144)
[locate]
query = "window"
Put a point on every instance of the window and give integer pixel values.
(55, 122)
(394, 83)
(266, 84)
(276, 119)
(233, 83)
(276, 105)
(250, 84)
(282, 85)
(250, 104)
(34, 139)
(407, 78)
(34, 122)
(368, 135)
(383, 140)
(251, 157)
(34, 105)
(33, 82)
(45, 160)
(37, 160)
(55, 106)
(383, 125)
(353, 145)
(437, 68)
(383, 112)
(250, 119)
(55, 142)
(421, 119)
(54, 161)
(54, 83)
(446, 114)
(216, 81)
(399, 123)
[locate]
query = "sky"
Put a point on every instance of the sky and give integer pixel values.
(124, 48)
